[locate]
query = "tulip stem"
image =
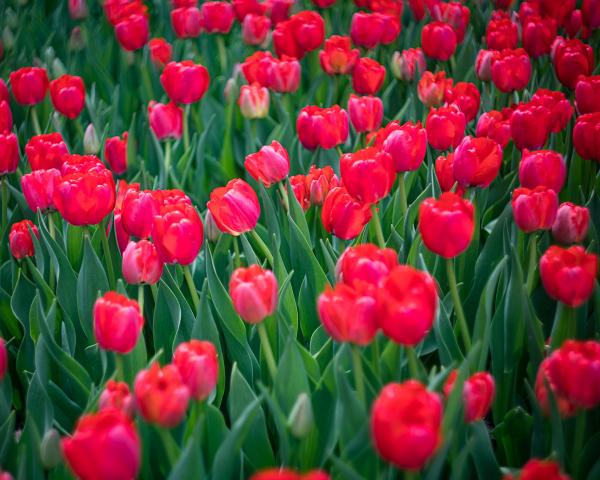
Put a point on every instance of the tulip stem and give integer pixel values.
(4, 204)
(532, 263)
(264, 340)
(579, 437)
(359, 376)
(265, 250)
(119, 370)
(564, 327)
(402, 195)
(413, 366)
(237, 260)
(376, 357)
(169, 444)
(186, 128)
(167, 165)
(460, 314)
(107, 257)
(284, 197)
(377, 224)
(35, 121)
(339, 150)
(222, 53)
(191, 287)
(141, 298)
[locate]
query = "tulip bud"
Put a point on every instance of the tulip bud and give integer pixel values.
(20, 240)
(8, 38)
(115, 153)
(301, 419)
(58, 68)
(234, 207)
(254, 101)
(11, 18)
(77, 40)
(78, 9)
(91, 143)
(141, 263)
(198, 366)
(571, 224)
(3, 359)
(161, 52)
(210, 227)
(408, 64)
(116, 395)
(117, 322)
(254, 293)
(50, 452)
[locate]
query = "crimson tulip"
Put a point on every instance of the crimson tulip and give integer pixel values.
(454, 14)
(444, 171)
(38, 189)
(178, 233)
(571, 223)
(198, 366)
(138, 211)
(301, 33)
(495, 125)
(501, 33)
(371, 29)
(543, 382)
(133, 31)
(3, 359)
(477, 161)
(536, 469)
(511, 69)
(256, 68)
(445, 127)
(20, 240)
(318, 183)
(368, 76)
(186, 22)
(217, 16)
(530, 126)
(46, 151)
(118, 322)
(586, 136)
(478, 394)
(234, 207)
(161, 52)
(337, 56)
(368, 174)
(366, 113)
(322, 127)
(431, 88)
(466, 97)
(438, 40)
(9, 153)
(284, 74)
(269, 165)
(571, 59)
(407, 144)
(254, 293)
(141, 263)
(559, 106)
(115, 153)
(483, 65)
(298, 184)
(255, 28)
(242, 8)
(538, 35)
(116, 396)
(185, 82)
(365, 264)
(534, 209)
(68, 95)
(166, 120)
(587, 94)
(343, 215)
(408, 64)
(29, 85)
(6, 119)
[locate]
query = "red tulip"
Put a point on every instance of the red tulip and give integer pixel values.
(371, 29)
(118, 322)
(29, 85)
(365, 112)
(483, 65)
(161, 396)
(365, 264)
(568, 275)
(284, 75)
(501, 34)
(116, 396)
(161, 52)
(322, 127)
(542, 168)
(406, 424)
(103, 445)
(571, 58)
(408, 64)
(303, 32)
(574, 26)
(4, 97)
(132, 32)
(234, 207)
(77, 9)
(408, 299)
(165, 120)
(83, 164)
(3, 359)
(587, 94)
(38, 189)
(185, 82)
(288, 474)
(20, 239)
(571, 223)
(444, 171)
(46, 151)
(445, 127)
(255, 28)
(368, 76)
(495, 125)
(178, 233)
(530, 126)
(478, 394)
(217, 17)
(318, 182)
(68, 95)
(337, 56)
(298, 184)
(198, 366)
(9, 153)
(538, 35)
(343, 215)
(432, 88)
(590, 10)
(559, 106)
(438, 40)
(138, 211)
(254, 293)
(368, 174)
(242, 8)
(269, 165)
(534, 209)
(6, 120)
(446, 224)
(586, 136)
(417, 7)
(117, 10)
(278, 10)
(466, 97)
(511, 70)
(536, 469)
(557, 9)
(141, 263)
(407, 144)
(254, 101)
(477, 161)
(256, 68)
(115, 153)
(186, 22)
(542, 382)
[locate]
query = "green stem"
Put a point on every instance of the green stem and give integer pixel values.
(377, 224)
(532, 263)
(376, 357)
(413, 366)
(237, 259)
(269, 357)
(460, 314)
(141, 298)
(146, 78)
(107, 257)
(167, 165)
(564, 327)
(359, 376)
(186, 128)
(284, 197)
(222, 53)
(578, 441)
(4, 204)
(265, 250)
(402, 195)
(51, 279)
(35, 121)
(187, 273)
(169, 445)
(339, 150)
(119, 370)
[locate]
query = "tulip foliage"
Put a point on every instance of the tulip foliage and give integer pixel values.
(301, 240)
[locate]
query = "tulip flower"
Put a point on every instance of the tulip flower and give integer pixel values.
(103, 445)
(511, 70)
(288, 474)
(559, 106)
(544, 381)
(495, 125)
(161, 52)
(343, 215)
(574, 26)
(586, 139)
(319, 181)
(6, 119)
(254, 101)
(444, 171)
(256, 68)
(589, 9)
(530, 126)
(368, 174)
(534, 209)
(466, 97)
(337, 56)
(501, 33)
(478, 394)
(217, 17)
(73, 163)
(368, 76)
(298, 184)
(365, 264)
(198, 366)
(20, 240)
(4, 96)
(538, 35)
(77, 9)
(9, 153)
(542, 168)
(115, 153)
(432, 88)
(178, 233)
(3, 359)
(302, 33)
(133, 31)
(116, 396)
(269, 165)
(408, 64)
(255, 28)
(571, 223)
(234, 207)
(38, 189)
(185, 82)
(161, 396)
(141, 263)
(406, 424)
(322, 127)
(438, 40)
(118, 322)
(365, 112)
(166, 120)
(536, 469)
(445, 127)
(477, 161)
(29, 85)
(371, 29)
(571, 59)
(242, 8)
(186, 22)
(284, 75)
(68, 95)
(587, 94)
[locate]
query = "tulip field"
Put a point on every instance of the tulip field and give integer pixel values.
(299, 239)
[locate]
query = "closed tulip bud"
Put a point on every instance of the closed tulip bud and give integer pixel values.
(543, 381)
(322, 127)
(478, 394)
(284, 75)
(29, 85)
(406, 424)
(483, 65)
(46, 151)
(571, 59)
(408, 305)
(141, 263)
(365, 264)
(98, 190)
(495, 125)
(536, 469)
(559, 106)
(432, 88)
(571, 223)
(302, 33)
(9, 153)
(198, 366)
(365, 113)
(3, 359)
(217, 17)
(78, 9)
(298, 184)
(501, 33)
(103, 445)
(91, 143)
(254, 294)
(587, 94)
(466, 97)
(542, 168)
(538, 35)
(178, 233)
(408, 64)
(77, 39)
(166, 120)
(438, 40)
(185, 82)
(161, 52)
(511, 70)
(132, 32)
(68, 95)
(530, 126)
(20, 240)
(50, 451)
(117, 322)
(586, 136)
(447, 224)
(368, 174)
(319, 181)
(161, 396)
(343, 215)
(254, 101)
(269, 165)
(6, 119)
(301, 418)
(445, 127)
(211, 230)
(38, 189)
(337, 56)
(234, 207)
(368, 76)
(477, 161)
(115, 153)
(186, 22)
(255, 28)
(534, 209)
